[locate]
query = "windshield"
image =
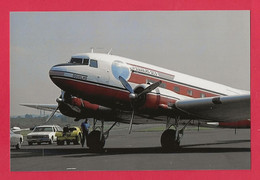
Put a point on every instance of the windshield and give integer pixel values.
(43, 129)
(76, 60)
(84, 61)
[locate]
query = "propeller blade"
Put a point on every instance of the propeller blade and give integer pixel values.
(126, 84)
(52, 114)
(131, 122)
(133, 96)
(150, 88)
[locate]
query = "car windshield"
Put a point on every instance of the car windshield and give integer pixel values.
(43, 129)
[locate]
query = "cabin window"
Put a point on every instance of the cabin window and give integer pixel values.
(189, 92)
(85, 61)
(76, 60)
(176, 89)
(162, 85)
(202, 95)
(93, 63)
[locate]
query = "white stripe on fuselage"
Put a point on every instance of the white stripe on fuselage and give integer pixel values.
(104, 64)
(182, 79)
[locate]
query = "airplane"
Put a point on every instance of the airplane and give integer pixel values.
(107, 87)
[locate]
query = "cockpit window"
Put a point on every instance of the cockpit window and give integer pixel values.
(93, 63)
(76, 60)
(85, 61)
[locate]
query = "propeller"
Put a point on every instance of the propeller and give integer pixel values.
(52, 114)
(126, 84)
(60, 99)
(134, 96)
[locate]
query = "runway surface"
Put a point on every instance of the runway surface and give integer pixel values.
(210, 148)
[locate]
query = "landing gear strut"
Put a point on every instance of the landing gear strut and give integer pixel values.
(170, 139)
(96, 138)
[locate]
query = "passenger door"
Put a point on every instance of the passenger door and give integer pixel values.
(103, 72)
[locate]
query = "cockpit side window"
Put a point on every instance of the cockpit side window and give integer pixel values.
(85, 61)
(76, 60)
(93, 63)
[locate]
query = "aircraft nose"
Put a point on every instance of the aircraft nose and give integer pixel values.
(57, 70)
(60, 76)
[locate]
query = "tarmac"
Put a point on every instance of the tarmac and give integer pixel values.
(206, 149)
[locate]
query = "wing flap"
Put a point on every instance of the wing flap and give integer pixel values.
(222, 108)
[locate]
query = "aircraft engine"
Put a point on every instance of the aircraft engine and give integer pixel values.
(147, 100)
(75, 107)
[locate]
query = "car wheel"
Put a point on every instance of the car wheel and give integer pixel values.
(60, 142)
(51, 140)
(18, 145)
(77, 140)
(68, 142)
(39, 143)
(30, 143)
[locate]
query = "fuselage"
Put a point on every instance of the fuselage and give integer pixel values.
(94, 77)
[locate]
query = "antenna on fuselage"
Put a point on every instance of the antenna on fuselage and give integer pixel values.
(109, 52)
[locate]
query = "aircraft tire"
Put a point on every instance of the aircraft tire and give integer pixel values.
(94, 142)
(168, 141)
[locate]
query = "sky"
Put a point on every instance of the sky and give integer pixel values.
(213, 45)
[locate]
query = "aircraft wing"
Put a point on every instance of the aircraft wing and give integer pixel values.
(45, 107)
(222, 108)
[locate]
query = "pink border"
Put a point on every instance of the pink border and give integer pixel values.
(129, 5)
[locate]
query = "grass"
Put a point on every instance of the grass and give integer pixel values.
(162, 128)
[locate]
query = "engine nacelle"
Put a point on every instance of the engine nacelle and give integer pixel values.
(78, 108)
(154, 99)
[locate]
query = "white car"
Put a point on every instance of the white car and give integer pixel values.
(44, 133)
(16, 140)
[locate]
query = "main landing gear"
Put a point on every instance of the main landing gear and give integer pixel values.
(96, 138)
(170, 139)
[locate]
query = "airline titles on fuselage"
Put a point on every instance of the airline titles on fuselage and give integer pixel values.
(143, 70)
(80, 77)
(152, 73)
